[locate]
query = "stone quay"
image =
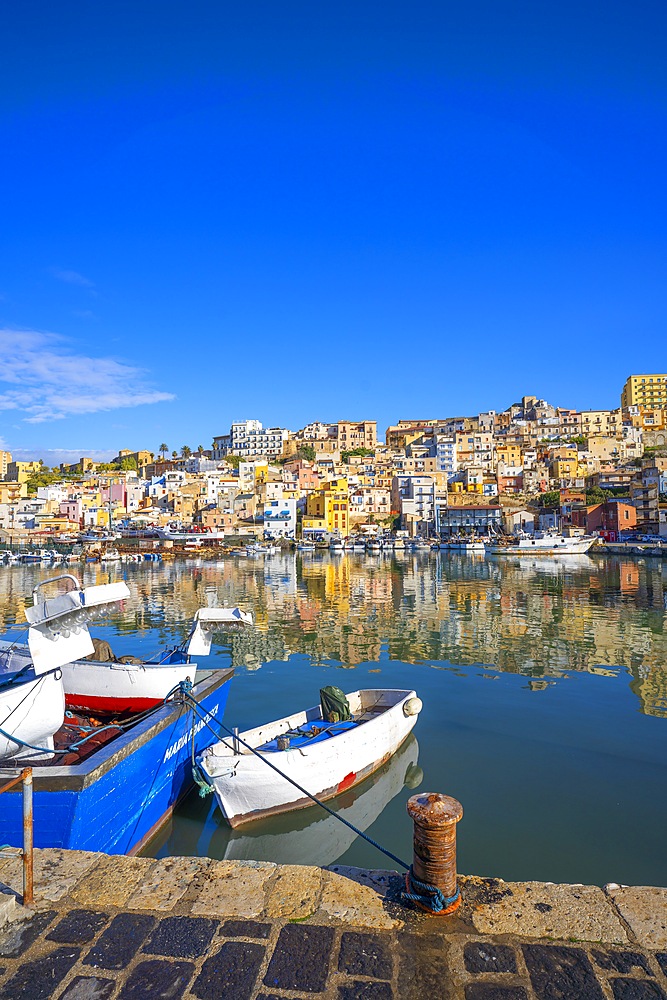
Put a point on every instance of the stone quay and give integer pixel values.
(119, 928)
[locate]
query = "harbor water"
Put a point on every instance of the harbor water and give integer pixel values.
(544, 683)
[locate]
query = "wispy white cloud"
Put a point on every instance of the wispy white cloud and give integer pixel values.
(47, 380)
(56, 456)
(71, 277)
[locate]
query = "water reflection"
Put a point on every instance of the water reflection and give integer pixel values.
(540, 617)
(307, 837)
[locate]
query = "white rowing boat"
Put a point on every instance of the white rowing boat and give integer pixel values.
(325, 758)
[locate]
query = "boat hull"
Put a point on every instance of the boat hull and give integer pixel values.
(118, 688)
(118, 798)
(247, 790)
(31, 711)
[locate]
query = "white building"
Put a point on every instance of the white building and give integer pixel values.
(248, 438)
(280, 519)
(445, 453)
(414, 497)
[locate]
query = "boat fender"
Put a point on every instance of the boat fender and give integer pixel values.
(412, 706)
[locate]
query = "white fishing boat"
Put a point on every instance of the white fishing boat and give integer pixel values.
(326, 758)
(543, 544)
(129, 684)
(93, 679)
(463, 545)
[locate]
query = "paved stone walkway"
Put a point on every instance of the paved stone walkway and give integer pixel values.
(137, 929)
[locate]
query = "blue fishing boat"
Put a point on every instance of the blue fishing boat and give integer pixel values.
(117, 797)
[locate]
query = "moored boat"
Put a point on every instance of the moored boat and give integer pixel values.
(325, 758)
(130, 685)
(311, 836)
(542, 544)
(114, 799)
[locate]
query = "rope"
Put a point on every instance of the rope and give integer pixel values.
(429, 897)
(197, 774)
(204, 716)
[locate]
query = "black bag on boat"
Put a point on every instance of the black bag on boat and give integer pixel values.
(335, 706)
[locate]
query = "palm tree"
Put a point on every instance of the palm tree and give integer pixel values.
(186, 451)
(174, 454)
(200, 449)
(163, 449)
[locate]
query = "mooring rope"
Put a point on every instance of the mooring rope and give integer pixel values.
(196, 707)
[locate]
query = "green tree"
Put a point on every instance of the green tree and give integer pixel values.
(307, 452)
(128, 464)
(549, 499)
(200, 449)
(163, 449)
(596, 495)
(174, 454)
(363, 452)
(186, 451)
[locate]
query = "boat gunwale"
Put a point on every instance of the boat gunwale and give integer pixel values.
(76, 777)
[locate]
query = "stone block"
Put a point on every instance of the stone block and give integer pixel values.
(294, 892)
(543, 910)
(351, 902)
(556, 971)
(233, 889)
(366, 955)
(39, 979)
(301, 958)
(182, 937)
(644, 909)
(112, 881)
(166, 883)
(120, 942)
(157, 980)
(55, 872)
(231, 972)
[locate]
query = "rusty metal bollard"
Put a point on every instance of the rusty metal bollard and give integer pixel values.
(434, 850)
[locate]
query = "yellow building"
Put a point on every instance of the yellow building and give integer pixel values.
(5, 459)
(328, 509)
(508, 454)
(12, 492)
(601, 422)
(21, 471)
(645, 390)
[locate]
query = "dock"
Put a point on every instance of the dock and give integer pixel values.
(109, 927)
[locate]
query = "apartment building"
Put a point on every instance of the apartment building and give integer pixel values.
(249, 439)
(327, 509)
(649, 391)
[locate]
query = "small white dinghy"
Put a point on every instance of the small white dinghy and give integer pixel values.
(325, 758)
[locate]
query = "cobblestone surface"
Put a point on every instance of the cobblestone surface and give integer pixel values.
(292, 940)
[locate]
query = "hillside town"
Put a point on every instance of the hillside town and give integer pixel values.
(533, 465)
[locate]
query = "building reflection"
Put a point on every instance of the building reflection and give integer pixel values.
(540, 618)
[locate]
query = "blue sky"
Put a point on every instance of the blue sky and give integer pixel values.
(300, 211)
